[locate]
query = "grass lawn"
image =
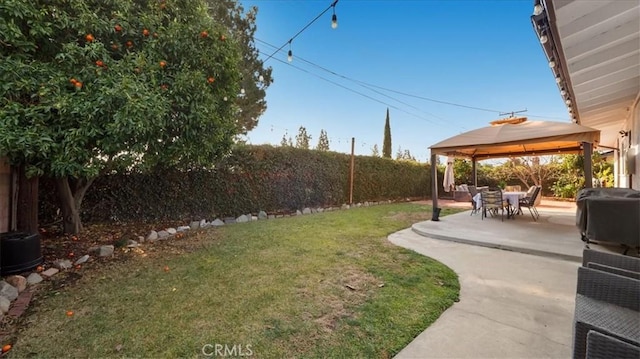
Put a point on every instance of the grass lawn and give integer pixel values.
(276, 288)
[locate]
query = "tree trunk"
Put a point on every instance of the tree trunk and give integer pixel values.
(27, 211)
(71, 192)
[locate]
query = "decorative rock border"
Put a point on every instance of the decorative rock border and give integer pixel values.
(16, 291)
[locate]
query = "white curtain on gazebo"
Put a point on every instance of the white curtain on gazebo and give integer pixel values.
(449, 180)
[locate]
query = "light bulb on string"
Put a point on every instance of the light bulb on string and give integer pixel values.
(261, 78)
(334, 18)
(225, 98)
(242, 91)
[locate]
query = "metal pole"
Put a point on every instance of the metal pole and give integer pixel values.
(434, 188)
(588, 168)
(353, 144)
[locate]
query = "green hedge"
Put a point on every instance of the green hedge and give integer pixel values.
(252, 178)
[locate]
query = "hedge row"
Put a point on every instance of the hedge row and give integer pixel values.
(252, 178)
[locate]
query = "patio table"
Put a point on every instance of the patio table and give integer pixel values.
(512, 198)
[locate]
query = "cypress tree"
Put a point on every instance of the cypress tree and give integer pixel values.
(386, 145)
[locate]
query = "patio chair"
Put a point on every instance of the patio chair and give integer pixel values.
(608, 304)
(492, 202)
(529, 201)
(476, 206)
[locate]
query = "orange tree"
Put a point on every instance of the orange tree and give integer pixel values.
(96, 86)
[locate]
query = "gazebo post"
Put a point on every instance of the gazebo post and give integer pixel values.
(474, 173)
(434, 188)
(588, 168)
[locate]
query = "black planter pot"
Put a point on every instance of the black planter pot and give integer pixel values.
(19, 252)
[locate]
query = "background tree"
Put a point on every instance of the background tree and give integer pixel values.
(303, 138)
(386, 144)
(284, 142)
(114, 85)
(255, 78)
(323, 141)
(375, 152)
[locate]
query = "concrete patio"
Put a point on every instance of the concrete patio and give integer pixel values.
(517, 278)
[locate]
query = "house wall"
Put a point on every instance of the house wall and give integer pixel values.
(634, 127)
(628, 165)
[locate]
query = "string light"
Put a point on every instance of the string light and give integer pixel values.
(290, 54)
(334, 18)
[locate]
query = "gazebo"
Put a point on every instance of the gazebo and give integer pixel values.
(516, 137)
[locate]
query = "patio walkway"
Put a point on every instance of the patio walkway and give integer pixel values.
(512, 304)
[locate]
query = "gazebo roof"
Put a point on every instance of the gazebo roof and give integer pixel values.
(516, 138)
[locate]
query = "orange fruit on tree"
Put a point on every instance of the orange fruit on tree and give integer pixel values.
(163, 5)
(204, 34)
(118, 28)
(145, 32)
(222, 37)
(166, 268)
(89, 38)
(69, 313)
(129, 44)
(163, 64)
(78, 266)
(6, 348)
(114, 46)
(78, 84)
(99, 63)
(211, 80)
(164, 86)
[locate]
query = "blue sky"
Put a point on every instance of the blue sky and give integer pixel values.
(481, 54)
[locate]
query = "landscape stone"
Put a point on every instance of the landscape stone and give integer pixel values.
(132, 244)
(50, 272)
(17, 281)
(203, 223)
(8, 291)
(34, 278)
(242, 219)
(163, 235)
(345, 206)
(314, 210)
(280, 216)
(229, 220)
(217, 222)
(172, 231)
(366, 204)
(320, 210)
(82, 260)
(359, 205)
(298, 213)
(62, 264)
(183, 228)
(140, 239)
(262, 215)
(4, 305)
(254, 218)
(194, 225)
(307, 210)
(105, 251)
(271, 216)
(152, 236)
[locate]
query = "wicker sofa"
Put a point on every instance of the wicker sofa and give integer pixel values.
(607, 311)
